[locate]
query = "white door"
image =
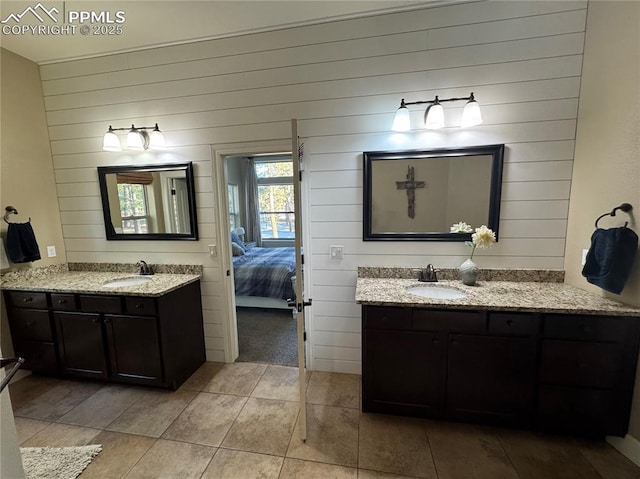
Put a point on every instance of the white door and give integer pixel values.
(300, 302)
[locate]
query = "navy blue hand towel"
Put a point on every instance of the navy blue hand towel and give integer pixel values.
(22, 246)
(610, 258)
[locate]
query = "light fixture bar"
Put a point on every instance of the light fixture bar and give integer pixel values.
(137, 138)
(434, 115)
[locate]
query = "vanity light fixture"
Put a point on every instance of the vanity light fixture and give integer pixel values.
(434, 115)
(137, 138)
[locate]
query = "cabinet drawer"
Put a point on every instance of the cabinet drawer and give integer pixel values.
(63, 302)
(100, 304)
(143, 306)
(455, 321)
(39, 356)
(31, 324)
(27, 299)
(580, 364)
(511, 324)
(384, 317)
(588, 328)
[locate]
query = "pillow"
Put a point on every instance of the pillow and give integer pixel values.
(236, 249)
(236, 239)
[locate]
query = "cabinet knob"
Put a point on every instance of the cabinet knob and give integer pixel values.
(509, 322)
(95, 320)
(28, 299)
(30, 323)
(139, 306)
(62, 301)
(107, 320)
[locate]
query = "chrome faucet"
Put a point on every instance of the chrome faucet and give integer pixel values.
(145, 269)
(428, 274)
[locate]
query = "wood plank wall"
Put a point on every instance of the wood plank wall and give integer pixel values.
(343, 81)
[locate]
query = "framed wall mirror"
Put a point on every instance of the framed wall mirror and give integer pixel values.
(418, 195)
(149, 202)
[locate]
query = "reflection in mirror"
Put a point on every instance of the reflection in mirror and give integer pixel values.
(419, 195)
(152, 202)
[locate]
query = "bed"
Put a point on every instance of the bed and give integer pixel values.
(263, 277)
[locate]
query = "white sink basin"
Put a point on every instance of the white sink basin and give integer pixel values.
(436, 292)
(123, 282)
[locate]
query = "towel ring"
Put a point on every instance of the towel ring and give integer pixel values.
(10, 210)
(625, 207)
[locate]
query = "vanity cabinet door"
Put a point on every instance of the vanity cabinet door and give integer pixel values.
(81, 343)
(490, 378)
(134, 349)
(403, 372)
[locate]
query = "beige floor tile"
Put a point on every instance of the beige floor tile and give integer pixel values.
(334, 389)
(29, 388)
(366, 474)
(228, 464)
(103, 407)
(297, 469)
(332, 436)
(538, 456)
(120, 452)
(207, 419)
(203, 376)
(26, 428)
(395, 444)
(264, 426)
(609, 463)
(278, 382)
(58, 400)
(62, 435)
(236, 378)
(483, 456)
(153, 413)
(172, 460)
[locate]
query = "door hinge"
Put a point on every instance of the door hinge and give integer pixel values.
(228, 272)
(299, 175)
(304, 336)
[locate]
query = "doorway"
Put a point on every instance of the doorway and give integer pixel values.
(262, 216)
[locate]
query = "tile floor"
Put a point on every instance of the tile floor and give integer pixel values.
(240, 421)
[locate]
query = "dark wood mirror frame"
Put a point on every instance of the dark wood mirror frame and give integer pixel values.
(496, 152)
(111, 233)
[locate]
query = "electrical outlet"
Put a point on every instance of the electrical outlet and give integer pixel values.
(213, 250)
(336, 252)
(584, 256)
(51, 251)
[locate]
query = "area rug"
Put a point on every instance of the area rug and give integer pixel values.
(57, 462)
(267, 336)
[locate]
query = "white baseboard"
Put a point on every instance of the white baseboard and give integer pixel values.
(629, 446)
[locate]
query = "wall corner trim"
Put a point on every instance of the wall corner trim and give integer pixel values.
(629, 446)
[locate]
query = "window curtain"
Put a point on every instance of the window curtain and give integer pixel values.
(253, 216)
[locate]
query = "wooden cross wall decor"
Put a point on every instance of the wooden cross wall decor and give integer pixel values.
(410, 185)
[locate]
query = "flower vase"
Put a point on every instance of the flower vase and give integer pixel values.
(469, 272)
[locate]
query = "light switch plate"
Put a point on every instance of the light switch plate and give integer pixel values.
(584, 256)
(51, 251)
(336, 252)
(213, 250)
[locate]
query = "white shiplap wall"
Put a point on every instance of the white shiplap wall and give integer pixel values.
(343, 81)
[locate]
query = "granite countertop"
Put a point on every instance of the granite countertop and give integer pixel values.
(93, 283)
(495, 295)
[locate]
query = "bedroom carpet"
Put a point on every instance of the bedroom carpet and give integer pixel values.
(267, 336)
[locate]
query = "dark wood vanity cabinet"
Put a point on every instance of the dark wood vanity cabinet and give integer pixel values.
(32, 330)
(556, 372)
(154, 341)
(403, 368)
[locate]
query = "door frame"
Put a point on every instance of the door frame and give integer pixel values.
(219, 154)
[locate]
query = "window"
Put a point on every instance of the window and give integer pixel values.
(133, 208)
(275, 199)
(234, 206)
